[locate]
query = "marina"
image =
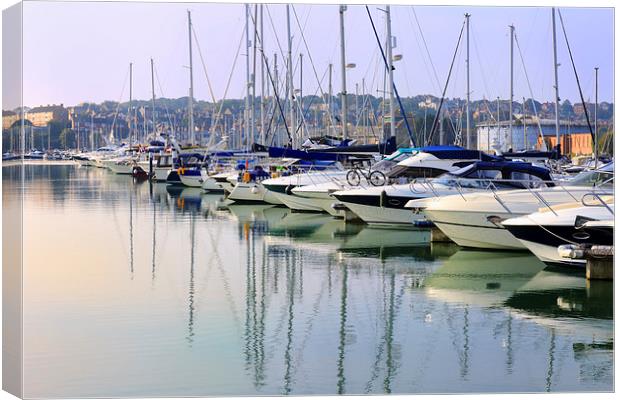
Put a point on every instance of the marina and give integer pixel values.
(165, 290)
(329, 231)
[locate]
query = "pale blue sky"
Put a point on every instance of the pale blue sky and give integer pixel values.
(76, 52)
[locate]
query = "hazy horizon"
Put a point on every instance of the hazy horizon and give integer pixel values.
(76, 52)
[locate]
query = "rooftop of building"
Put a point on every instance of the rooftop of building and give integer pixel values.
(47, 108)
(532, 121)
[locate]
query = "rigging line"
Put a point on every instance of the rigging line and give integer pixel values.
(529, 86)
(482, 73)
(273, 84)
(165, 105)
(273, 28)
(301, 30)
(118, 105)
(315, 93)
(459, 115)
(428, 54)
(204, 66)
(549, 61)
(435, 84)
(232, 71)
(316, 75)
(402, 109)
(443, 96)
(570, 53)
(530, 32)
(457, 70)
(302, 112)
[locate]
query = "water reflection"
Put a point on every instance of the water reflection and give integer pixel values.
(233, 300)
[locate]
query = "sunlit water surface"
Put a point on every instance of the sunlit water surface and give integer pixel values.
(139, 290)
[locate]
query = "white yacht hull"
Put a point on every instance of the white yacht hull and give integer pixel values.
(121, 169)
(271, 198)
(227, 187)
(550, 255)
(211, 185)
(326, 205)
(298, 203)
(195, 181)
(248, 193)
(473, 230)
(384, 215)
(161, 174)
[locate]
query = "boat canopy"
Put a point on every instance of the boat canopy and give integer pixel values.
(457, 152)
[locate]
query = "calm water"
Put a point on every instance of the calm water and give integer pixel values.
(139, 290)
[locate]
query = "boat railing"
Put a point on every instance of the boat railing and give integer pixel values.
(539, 195)
(426, 185)
(599, 199)
(319, 172)
(484, 184)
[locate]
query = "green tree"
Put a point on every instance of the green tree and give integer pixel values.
(67, 139)
(566, 109)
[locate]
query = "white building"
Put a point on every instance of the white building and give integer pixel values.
(492, 135)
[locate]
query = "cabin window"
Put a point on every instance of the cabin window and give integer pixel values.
(415, 172)
(593, 178)
(485, 174)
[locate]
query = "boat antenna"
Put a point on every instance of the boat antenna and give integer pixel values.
(385, 62)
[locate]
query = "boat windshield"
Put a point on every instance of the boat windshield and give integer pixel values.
(471, 177)
(599, 177)
(384, 165)
(388, 163)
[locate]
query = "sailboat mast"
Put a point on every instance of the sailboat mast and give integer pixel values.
(557, 91)
(467, 123)
(130, 114)
(388, 21)
(512, 35)
(153, 97)
(262, 79)
(276, 91)
(301, 93)
(253, 77)
(499, 126)
(289, 74)
(191, 81)
(524, 127)
(247, 75)
(329, 99)
(343, 101)
(595, 117)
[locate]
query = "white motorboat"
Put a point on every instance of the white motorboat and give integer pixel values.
(192, 177)
(388, 205)
(246, 186)
(249, 189)
(218, 182)
(474, 219)
(282, 187)
(585, 223)
(320, 194)
(162, 164)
